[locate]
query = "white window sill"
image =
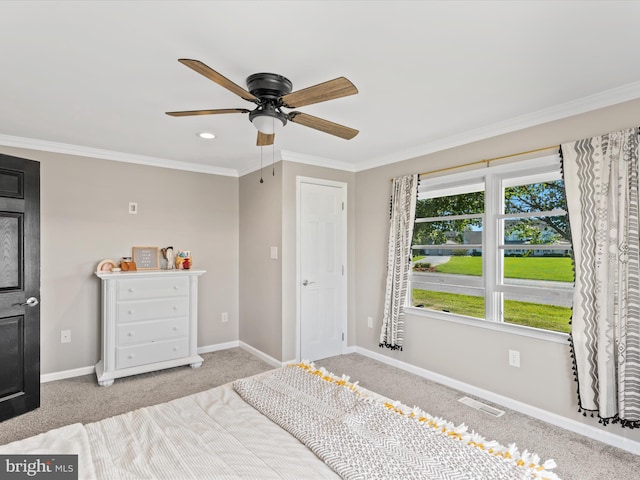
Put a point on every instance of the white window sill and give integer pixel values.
(547, 335)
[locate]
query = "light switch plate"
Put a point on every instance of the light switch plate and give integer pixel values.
(65, 336)
(274, 253)
(514, 358)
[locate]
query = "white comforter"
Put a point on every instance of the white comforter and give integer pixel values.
(212, 434)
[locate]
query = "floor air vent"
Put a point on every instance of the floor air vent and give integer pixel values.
(494, 412)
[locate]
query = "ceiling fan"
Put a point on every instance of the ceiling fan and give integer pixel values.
(272, 92)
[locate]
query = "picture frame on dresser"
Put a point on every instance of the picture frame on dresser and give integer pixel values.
(146, 258)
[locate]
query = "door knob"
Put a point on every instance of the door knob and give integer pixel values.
(31, 302)
(307, 282)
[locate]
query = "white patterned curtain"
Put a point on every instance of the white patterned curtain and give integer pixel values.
(601, 181)
(403, 212)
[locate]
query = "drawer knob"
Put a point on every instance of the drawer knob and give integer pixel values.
(131, 334)
(131, 355)
(130, 312)
(175, 308)
(175, 329)
(175, 287)
(175, 349)
(131, 290)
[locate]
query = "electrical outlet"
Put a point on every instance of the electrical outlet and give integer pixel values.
(370, 322)
(225, 317)
(514, 358)
(133, 208)
(65, 336)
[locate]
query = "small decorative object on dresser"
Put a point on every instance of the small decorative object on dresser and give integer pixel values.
(106, 266)
(146, 258)
(149, 322)
(183, 260)
(127, 265)
(167, 253)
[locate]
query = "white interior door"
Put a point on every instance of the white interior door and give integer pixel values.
(321, 268)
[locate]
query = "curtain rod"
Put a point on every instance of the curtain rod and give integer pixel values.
(487, 161)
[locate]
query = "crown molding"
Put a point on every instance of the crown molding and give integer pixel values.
(317, 161)
(604, 99)
(255, 165)
(296, 157)
(78, 150)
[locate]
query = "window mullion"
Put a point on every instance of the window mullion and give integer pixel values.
(448, 218)
(492, 264)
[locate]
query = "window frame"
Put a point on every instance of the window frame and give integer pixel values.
(494, 179)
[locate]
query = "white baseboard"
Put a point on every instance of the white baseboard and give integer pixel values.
(76, 372)
(263, 356)
(544, 415)
(218, 346)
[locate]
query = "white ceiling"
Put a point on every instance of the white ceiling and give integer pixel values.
(95, 78)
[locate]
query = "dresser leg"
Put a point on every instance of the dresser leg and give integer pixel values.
(106, 383)
(195, 365)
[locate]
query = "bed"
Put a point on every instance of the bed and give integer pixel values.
(295, 422)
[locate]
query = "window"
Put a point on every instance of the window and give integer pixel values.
(494, 244)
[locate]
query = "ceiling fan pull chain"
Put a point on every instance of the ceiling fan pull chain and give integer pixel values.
(273, 152)
(261, 180)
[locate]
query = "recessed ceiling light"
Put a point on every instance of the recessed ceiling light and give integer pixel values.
(207, 135)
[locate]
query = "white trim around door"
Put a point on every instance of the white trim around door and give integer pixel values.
(341, 251)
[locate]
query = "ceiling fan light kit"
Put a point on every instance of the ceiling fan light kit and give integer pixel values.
(271, 92)
(267, 119)
(206, 135)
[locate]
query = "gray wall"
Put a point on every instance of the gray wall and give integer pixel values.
(85, 219)
(260, 276)
(465, 353)
(268, 287)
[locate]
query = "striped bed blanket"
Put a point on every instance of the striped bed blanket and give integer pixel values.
(360, 435)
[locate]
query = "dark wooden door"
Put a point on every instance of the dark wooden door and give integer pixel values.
(19, 286)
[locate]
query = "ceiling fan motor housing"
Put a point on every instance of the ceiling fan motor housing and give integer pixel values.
(269, 85)
(268, 88)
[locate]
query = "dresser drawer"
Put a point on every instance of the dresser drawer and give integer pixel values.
(151, 353)
(137, 288)
(152, 309)
(135, 333)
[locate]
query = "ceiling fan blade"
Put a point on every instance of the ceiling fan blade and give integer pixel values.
(214, 76)
(323, 125)
(336, 88)
(265, 139)
(188, 113)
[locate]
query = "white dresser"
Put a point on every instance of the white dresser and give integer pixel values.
(149, 322)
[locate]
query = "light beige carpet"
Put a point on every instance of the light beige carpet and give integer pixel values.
(80, 399)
